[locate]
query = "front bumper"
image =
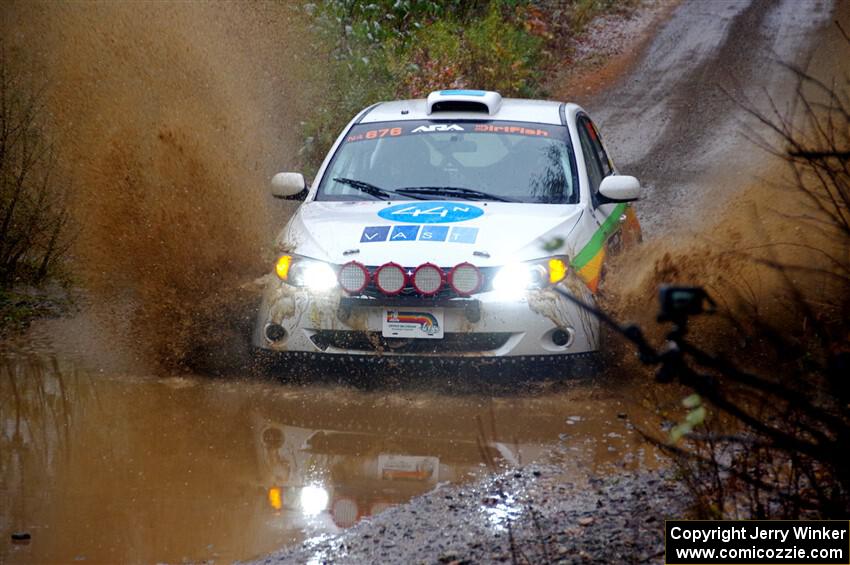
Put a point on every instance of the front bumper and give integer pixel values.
(486, 325)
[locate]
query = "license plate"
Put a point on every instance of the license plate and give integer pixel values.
(424, 323)
(408, 467)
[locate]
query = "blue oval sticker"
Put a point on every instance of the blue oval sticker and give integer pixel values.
(431, 212)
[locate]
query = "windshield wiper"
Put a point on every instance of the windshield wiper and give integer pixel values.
(452, 191)
(371, 189)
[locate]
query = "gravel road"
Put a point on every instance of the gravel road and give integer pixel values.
(525, 515)
(674, 120)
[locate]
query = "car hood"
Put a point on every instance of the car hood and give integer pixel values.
(415, 232)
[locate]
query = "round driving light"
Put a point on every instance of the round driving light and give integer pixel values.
(390, 278)
(353, 277)
(428, 279)
(465, 279)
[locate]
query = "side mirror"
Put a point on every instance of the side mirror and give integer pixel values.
(620, 188)
(289, 186)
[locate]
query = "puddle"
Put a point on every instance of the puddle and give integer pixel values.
(117, 468)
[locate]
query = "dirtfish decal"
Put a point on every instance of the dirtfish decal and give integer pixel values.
(437, 127)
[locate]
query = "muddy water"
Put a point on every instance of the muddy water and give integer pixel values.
(118, 468)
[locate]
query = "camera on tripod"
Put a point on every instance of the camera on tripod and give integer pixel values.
(677, 303)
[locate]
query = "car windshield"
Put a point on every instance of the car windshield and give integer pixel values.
(495, 161)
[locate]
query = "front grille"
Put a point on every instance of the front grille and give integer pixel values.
(375, 342)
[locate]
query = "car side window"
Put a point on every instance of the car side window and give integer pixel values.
(599, 164)
(596, 141)
(594, 168)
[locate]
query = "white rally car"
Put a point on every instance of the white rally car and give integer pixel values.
(438, 228)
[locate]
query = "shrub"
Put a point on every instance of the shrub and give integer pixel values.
(406, 48)
(491, 53)
(503, 56)
(34, 215)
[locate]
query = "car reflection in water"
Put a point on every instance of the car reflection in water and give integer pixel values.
(345, 476)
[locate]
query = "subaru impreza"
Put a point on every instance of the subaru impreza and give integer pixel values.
(439, 228)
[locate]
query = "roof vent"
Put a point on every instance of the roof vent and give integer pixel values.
(464, 101)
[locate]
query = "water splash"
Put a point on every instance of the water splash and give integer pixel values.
(169, 119)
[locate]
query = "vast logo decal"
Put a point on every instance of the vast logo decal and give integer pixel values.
(434, 233)
(437, 127)
(463, 235)
(404, 233)
(373, 234)
(431, 212)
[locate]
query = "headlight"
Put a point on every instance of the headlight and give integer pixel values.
(512, 278)
(301, 271)
(314, 499)
(540, 273)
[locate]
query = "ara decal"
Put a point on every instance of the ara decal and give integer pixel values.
(437, 127)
